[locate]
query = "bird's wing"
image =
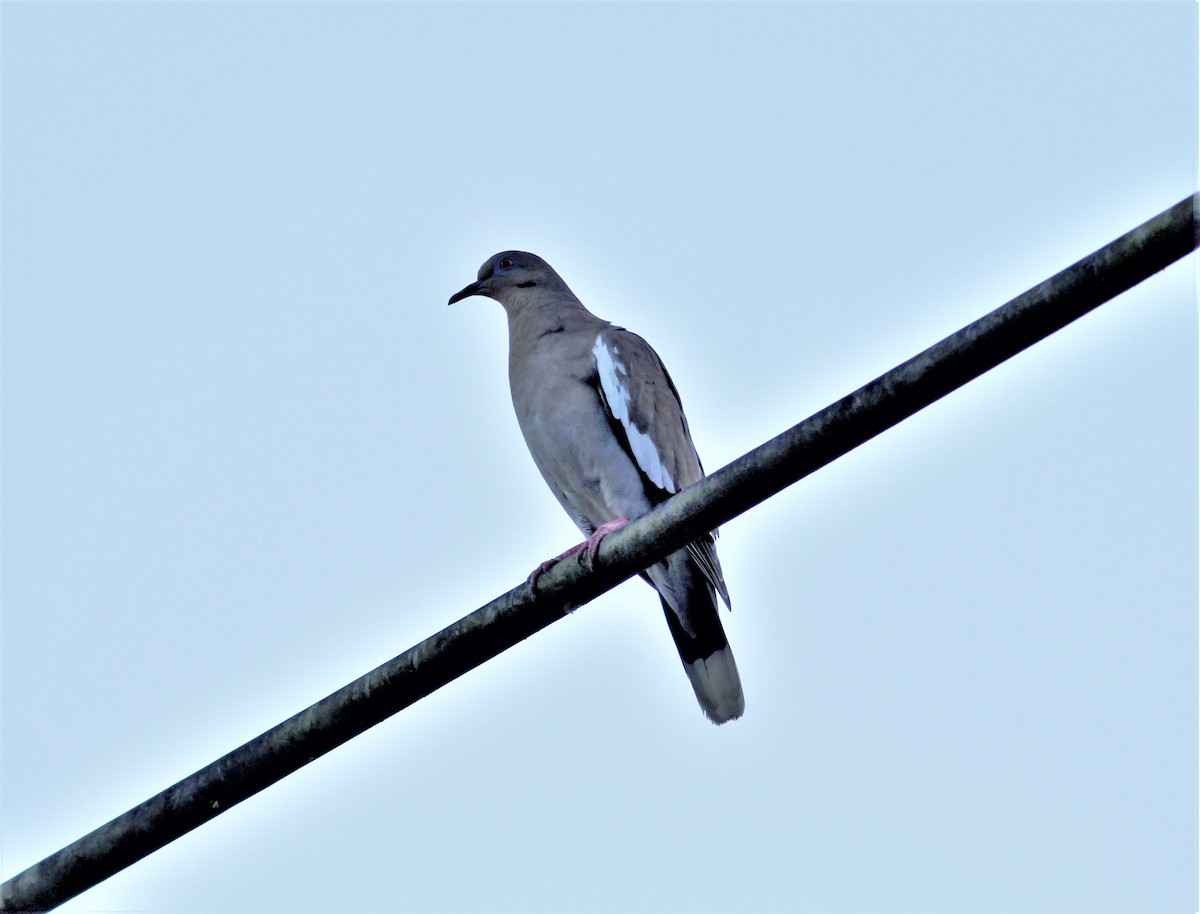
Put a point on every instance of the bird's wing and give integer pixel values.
(647, 417)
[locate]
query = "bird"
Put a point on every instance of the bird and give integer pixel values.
(605, 426)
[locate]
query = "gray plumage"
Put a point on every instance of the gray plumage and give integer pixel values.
(606, 428)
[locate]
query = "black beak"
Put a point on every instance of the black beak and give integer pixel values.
(472, 289)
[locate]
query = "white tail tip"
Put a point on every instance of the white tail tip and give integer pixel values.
(717, 686)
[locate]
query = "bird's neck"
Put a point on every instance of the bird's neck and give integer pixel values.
(534, 317)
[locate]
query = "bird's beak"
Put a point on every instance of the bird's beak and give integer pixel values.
(474, 288)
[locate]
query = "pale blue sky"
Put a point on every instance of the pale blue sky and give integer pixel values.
(249, 453)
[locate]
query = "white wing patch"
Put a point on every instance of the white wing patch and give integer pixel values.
(612, 381)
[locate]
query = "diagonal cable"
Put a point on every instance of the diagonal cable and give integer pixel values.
(509, 619)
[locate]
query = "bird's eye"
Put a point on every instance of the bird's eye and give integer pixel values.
(506, 263)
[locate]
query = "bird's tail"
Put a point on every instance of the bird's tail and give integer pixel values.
(707, 657)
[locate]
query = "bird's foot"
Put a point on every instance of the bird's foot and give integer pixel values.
(590, 546)
(550, 563)
(593, 541)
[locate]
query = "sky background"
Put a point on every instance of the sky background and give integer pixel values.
(249, 453)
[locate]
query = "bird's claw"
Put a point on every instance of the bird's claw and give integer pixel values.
(590, 547)
(593, 541)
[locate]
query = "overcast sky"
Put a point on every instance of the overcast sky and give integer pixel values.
(249, 453)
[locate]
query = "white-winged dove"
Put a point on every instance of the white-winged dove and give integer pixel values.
(606, 429)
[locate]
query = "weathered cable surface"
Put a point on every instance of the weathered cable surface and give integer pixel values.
(516, 615)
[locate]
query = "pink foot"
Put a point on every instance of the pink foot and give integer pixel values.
(550, 563)
(591, 546)
(593, 541)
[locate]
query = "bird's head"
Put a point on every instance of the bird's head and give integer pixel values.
(505, 276)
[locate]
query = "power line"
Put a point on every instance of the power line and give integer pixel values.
(509, 619)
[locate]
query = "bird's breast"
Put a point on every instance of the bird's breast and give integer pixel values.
(571, 440)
